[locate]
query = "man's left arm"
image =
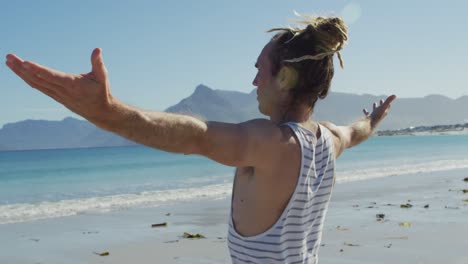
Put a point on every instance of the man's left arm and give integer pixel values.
(359, 131)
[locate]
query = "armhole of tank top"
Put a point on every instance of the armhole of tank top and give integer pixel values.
(326, 136)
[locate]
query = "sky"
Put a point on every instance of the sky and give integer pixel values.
(157, 52)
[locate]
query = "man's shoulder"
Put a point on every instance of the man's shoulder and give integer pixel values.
(259, 122)
(274, 144)
(268, 131)
(263, 123)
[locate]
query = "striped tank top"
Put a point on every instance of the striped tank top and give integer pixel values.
(296, 235)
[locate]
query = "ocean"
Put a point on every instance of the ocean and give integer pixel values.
(42, 184)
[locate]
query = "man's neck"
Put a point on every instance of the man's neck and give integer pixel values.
(298, 114)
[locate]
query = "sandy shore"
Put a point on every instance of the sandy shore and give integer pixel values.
(437, 234)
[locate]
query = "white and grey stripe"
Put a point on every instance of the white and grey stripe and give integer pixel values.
(296, 236)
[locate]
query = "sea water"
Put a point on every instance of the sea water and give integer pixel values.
(42, 184)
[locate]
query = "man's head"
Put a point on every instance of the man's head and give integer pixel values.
(296, 66)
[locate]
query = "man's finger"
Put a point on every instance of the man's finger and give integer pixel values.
(365, 112)
(51, 93)
(45, 90)
(17, 70)
(389, 100)
(31, 78)
(50, 75)
(98, 67)
(12, 58)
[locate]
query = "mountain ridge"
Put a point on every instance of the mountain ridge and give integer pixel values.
(234, 107)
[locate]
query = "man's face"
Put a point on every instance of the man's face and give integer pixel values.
(267, 85)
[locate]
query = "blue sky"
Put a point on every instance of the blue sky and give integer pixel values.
(157, 52)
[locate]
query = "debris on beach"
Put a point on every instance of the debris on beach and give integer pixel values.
(389, 204)
(405, 224)
(389, 245)
(350, 244)
(35, 239)
(380, 217)
(355, 205)
(159, 225)
(408, 205)
(168, 214)
(342, 228)
(171, 241)
(102, 254)
(220, 239)
(465, 200)
(341, 250)
(188, 235)
(90, 232)
(451, 207)
(426, 206)
(460, 190)
(466, 179)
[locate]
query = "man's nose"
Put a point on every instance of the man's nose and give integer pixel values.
(254, 82)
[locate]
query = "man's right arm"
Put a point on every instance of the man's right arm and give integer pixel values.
(253, 143)
(237, 145)
(359, 131)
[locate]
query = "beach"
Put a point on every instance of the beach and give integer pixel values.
(99, 205)
(352, 234)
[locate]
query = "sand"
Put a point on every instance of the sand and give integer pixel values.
(437, 234)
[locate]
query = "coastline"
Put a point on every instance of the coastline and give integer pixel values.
(351, 235)
(427, 131)
(441, 133)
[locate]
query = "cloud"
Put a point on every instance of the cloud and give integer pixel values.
(351, 12)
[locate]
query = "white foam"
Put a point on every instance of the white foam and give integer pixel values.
(403, 169)
(15, 213)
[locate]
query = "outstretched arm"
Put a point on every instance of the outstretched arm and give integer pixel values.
(89, 96)
(350, 136)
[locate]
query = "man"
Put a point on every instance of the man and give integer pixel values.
(285, 172)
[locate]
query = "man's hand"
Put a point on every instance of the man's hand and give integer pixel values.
(85, 94)
(379, 111)
(349, 136)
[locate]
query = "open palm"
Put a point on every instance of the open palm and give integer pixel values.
(85, 94)
(379, 110)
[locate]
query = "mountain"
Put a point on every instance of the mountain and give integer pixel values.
(339, 108)
(430, 110)
(68, 133)
(218, 105)
(232, 106)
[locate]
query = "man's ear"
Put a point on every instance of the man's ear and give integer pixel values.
(287, 77)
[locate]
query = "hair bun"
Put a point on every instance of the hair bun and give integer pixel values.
(329, 35)
(331, 32)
